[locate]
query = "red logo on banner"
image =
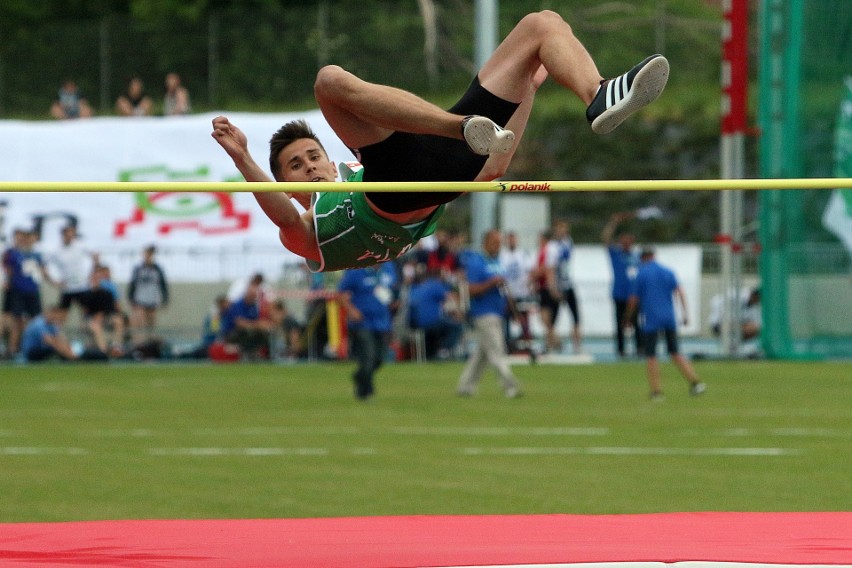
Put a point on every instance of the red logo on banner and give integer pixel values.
(204, 213)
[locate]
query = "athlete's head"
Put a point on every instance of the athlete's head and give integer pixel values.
(296, 154)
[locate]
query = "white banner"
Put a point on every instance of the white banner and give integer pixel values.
(145, 149)
(186, 227)
(592, 272)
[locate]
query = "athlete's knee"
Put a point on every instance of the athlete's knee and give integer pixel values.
(544, 22)
(331, 81)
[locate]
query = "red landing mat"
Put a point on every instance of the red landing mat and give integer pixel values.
(418, 541)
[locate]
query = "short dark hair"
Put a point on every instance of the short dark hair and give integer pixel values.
(286, 135)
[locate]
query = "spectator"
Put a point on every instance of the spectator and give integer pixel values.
(43, 337)
(70, 103)
(134, 102)
(547, 288)
(564, 247)
(212, 324)
(750, 313)
(442, 258)
(369, 322)
(316, 318)
(73, 265)
(11, 328)
(103, 313)
(487, 312)
(517, 265)
(752, 316)
(390, 284)
(176, 99)
(625, 262)
(24, 268)
(428, 300)
(652, 293)
(243, 326)
(211, 330)
(238, 288)
(147, 292)
(290, 329)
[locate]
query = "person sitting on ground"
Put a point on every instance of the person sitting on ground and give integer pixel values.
(290, 328)
(211, 330)
(427, 299)
(44, 339)
(103, 314)
(398, 136)
(243, 326)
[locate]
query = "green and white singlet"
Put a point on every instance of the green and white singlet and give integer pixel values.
(351, 235)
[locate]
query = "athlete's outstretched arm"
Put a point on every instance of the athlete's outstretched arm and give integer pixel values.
(296, 232)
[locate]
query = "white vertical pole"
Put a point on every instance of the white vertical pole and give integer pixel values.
(483, 206)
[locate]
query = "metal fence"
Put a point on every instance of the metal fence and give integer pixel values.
(262, 56)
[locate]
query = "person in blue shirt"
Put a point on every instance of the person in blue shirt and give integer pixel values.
(486, 285)
(24, 268)
(426, 300)
(625, 263)
(652, 293)
(43, 338)
(366, 298)
(243, 325)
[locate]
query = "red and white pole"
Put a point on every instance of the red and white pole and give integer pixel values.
(733, 127)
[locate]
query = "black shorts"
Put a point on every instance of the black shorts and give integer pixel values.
(69, 298)
(546, 301)
(98, 301)
(23, 304)
(419, 157)
(570, 298)
(649, 341)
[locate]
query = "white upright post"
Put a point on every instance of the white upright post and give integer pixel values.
(483, 206)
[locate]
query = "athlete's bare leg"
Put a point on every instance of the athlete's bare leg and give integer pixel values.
(363, 113)
(652, 367)
(541, 39)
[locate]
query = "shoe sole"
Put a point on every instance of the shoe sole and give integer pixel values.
(483, 138)
(647, 86)
(697, 392)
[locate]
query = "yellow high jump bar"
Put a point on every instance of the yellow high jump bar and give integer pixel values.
(394, 187)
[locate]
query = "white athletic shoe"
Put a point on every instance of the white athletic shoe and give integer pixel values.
(618, 98)
(483, 137)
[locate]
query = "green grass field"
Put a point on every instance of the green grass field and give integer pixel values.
(265, 441)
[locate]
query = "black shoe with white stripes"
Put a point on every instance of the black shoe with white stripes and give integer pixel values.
(618, 98)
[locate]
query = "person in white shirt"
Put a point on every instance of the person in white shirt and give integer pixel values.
(517, 265)
(563, 248)
(72, 264)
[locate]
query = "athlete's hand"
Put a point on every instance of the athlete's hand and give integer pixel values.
(230, 138)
